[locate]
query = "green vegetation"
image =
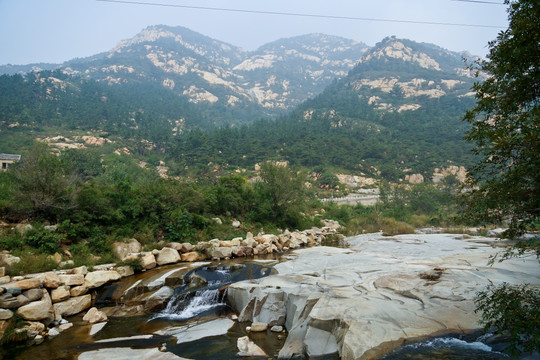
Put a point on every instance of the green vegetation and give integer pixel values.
(121, 200)
(505, 131)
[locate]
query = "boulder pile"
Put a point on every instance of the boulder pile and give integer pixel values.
(43, 300)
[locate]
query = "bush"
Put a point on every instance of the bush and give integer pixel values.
(33, 263)
(43, 240)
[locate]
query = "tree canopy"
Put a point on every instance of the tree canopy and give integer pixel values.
(506, 180)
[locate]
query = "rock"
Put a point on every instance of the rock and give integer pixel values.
(37, 310)
(38, 340)
(56, 257)
(246, 347)
(155, 252)
(25, 284)
(189, 333)
(259, 327)
(23, 300)
(122, 249)
(66, 263)
(158, 299)
(2, 271)
(167, 256)
(72, 279)
(125, 353)
(63, 327)
(97, 278)
(53, 332)
(96, 328)
(94, 316)
(190, 256)
(381, 290)
(51, 280)
(8, 301)
(33, 294)
(72, 306)
(51, 228)
(61, 293)
(81, 270)
(148, 261)
(236, 223)
(23, 228)
(4, 280)
(187, 247)
(125, 271)
(78, 290)
(219, 252)
(276, 328)
(414, 178)
(5, 314)
(174, 245)
(217, 221)
(196, 280)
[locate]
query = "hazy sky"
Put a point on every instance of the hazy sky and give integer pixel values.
(54, 31)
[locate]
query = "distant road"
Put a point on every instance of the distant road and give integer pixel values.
(354, 199)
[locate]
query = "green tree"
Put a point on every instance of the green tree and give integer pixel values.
(506, 180)
(281, 191)
(42, 186)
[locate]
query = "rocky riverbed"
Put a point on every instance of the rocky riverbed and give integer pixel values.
(363, 301)
(358, 302)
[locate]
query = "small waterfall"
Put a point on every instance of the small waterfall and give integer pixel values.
(189, 305)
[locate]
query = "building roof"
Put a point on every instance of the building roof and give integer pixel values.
(13, 157)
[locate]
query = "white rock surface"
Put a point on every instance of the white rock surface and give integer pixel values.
(191, 333)
(381, 290)
(128, 354)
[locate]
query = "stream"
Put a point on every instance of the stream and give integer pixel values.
(195, 324)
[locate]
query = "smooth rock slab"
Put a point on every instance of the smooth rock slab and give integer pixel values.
(128, 354)
(379, 291)
(191, 333)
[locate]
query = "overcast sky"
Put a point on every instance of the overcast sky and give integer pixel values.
(54, 31)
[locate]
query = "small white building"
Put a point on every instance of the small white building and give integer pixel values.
(6, 159)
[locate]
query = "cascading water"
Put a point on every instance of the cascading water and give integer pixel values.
(203, 292)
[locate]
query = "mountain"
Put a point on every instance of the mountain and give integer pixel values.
(397, 112)
(395, 115)
(265, 82)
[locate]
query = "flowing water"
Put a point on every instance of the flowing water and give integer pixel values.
(200, 298)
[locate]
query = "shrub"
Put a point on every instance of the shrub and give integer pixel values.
(43, 240)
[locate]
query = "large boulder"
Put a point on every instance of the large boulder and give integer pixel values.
(158, 299)
(123, 249)
(148, 261)
(167, 256)
(219, 252)
(72, 306)
(97, 278)
(37, 310)
(8, 260)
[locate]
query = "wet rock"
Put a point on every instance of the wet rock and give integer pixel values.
(97, 278)
(128, 354)
(276, 328)
(96, 328)
(189, 333)
(158, 299)
(167, 256)
(259, 327)
(94, 316)
(196, 280)
(246, 347)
